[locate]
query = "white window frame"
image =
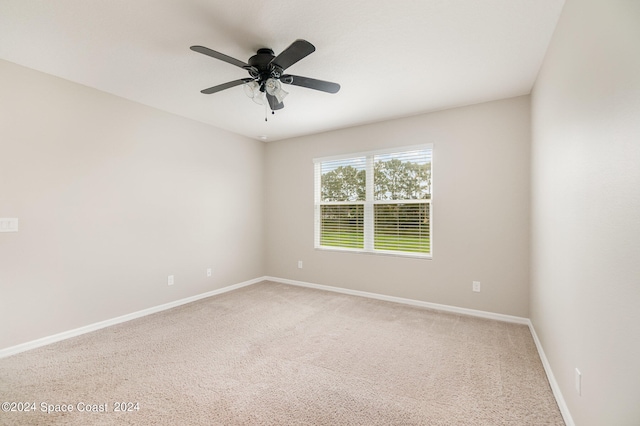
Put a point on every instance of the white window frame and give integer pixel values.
(369, 203)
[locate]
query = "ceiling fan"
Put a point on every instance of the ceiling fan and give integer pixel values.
(266, 72)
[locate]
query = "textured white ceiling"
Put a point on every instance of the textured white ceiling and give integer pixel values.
(392, 59)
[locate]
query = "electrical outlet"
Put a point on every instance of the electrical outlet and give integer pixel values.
(209, 272)
(578, 382)
(476, 286)
(170, 280)
(299, 264)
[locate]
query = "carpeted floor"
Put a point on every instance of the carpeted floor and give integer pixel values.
(282, 355)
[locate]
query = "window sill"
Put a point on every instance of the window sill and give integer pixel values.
(377, 253)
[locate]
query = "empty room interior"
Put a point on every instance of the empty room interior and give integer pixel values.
(435, 219)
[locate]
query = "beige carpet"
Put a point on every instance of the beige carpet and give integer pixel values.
(283, 355)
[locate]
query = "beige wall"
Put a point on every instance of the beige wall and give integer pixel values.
(585, 286)
(480, 209)
(112, 197)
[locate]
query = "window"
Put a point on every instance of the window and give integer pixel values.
(377, 202)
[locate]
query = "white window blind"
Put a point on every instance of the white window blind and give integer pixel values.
(375, 202)
(342, 198)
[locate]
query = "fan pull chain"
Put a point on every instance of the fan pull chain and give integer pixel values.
(266, 113)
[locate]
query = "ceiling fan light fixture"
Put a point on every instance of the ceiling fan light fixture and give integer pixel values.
(281, 94)
(274, 88)
(259, 97)
(251, 88)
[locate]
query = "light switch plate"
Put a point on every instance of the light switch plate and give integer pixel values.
(8, 224)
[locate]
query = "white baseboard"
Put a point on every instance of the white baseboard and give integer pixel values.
(12, 350)
(562, 405)
(412, 302)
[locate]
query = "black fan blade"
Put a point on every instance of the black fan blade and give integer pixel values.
(224, 86)
(292, 54)
(273, 103)
(218, 55)
(311, 83)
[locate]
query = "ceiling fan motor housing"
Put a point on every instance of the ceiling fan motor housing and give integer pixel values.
(261, 66)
